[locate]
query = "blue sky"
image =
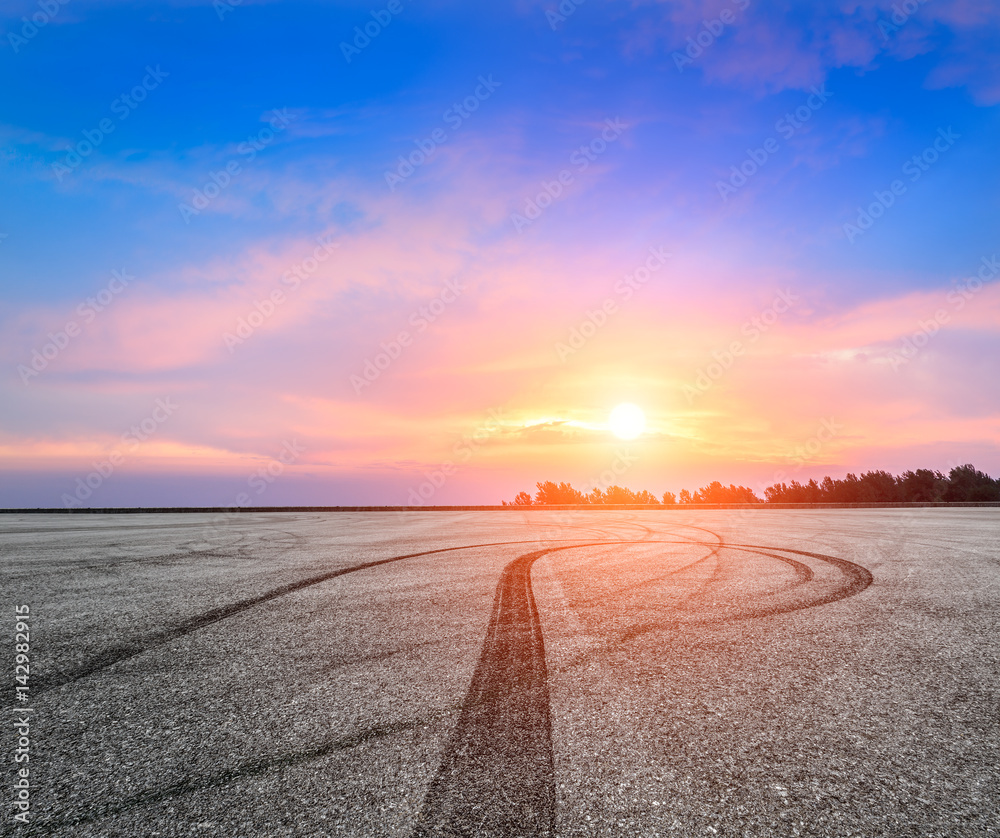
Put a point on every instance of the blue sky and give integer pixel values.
(876, 93)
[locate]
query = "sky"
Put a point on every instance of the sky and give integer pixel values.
(338, 253)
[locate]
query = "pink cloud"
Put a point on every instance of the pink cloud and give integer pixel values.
(772, 52)
(495, 347)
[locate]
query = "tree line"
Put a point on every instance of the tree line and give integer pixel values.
(963, 483)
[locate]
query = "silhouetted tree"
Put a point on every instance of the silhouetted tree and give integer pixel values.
(922, 485)
(710, 493)
(778, 493)
(878, 487)
(616, 494)
(794, 492)
(812, 491)
(549, 493)
(715, 492)
(620, 494)
(963, 483)
(847, 490)
(966, 483)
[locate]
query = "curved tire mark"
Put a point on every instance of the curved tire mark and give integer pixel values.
(126, 651)
(497, 777)
(260, 766)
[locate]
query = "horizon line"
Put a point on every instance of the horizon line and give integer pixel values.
(764, 505)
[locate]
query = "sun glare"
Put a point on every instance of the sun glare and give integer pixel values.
(627, 421)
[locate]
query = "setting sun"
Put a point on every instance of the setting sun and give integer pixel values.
(627, 421)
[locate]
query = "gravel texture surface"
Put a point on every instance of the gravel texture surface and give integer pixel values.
(574, 673)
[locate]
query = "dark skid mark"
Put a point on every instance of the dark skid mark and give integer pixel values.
(497, 778)
(855, 579)
(125, 651)
(653, 580)
(262, 766)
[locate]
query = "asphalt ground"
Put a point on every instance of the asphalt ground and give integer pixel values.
(572, 673)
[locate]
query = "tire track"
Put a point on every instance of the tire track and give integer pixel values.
(250, 769)
(855, 579)
(125, 651)
(712, 553)
(618, 592)
(497, 778)
(802, 575)
(239, 542)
